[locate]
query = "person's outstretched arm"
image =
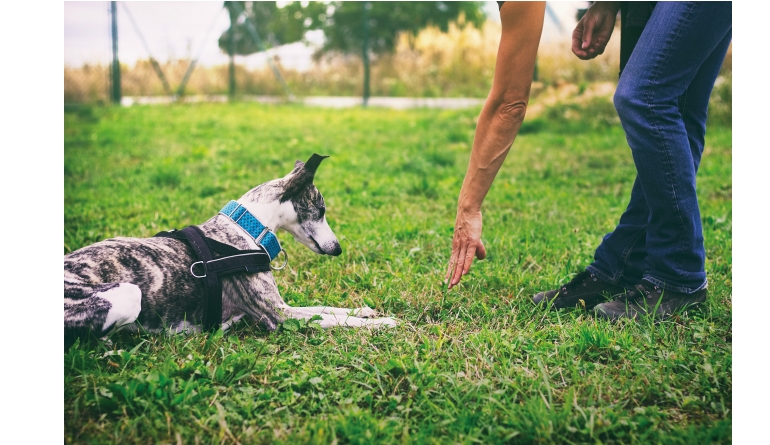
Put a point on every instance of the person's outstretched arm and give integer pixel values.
(499, 122)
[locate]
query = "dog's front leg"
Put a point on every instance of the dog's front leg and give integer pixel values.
(256, 295)
(335, 316)
(259, 297)
(362, 312)
(331, 317)
(331, 320)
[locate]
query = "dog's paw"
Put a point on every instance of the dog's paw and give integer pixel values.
(390, 321)
(364, 312)
(382, 322)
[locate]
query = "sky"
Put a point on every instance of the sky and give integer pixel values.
(176, 30)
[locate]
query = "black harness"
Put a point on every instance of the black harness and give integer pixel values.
(211, 268)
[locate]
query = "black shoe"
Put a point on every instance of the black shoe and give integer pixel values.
(585, 286)
(648, 299)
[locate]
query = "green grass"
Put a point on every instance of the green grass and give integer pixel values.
(477, 364)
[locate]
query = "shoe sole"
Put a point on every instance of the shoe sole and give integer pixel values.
(614, 315)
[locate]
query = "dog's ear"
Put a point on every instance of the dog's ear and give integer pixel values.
(301, 177)
(313, 163)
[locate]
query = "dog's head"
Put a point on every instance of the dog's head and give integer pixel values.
(295, 205)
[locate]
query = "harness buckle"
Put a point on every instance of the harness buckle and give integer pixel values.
(193, 272)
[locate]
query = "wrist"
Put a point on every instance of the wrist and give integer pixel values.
(610, 7)
(465, 208)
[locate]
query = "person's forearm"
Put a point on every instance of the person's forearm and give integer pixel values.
(500, 119)
(504, 110)
(498, 125)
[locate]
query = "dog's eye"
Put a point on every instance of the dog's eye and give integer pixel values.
(322, 211)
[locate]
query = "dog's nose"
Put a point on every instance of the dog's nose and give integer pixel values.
(336, 251)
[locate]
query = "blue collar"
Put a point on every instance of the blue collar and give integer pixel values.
(261, 233)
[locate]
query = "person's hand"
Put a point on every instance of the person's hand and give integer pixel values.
(593, 31)
(466, 244)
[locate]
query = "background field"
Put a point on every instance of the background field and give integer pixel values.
(479, 363)
(456, 63)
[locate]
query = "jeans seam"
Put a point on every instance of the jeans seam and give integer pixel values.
(670, 181)
(684, 104)
(627, 251)
(616, 276)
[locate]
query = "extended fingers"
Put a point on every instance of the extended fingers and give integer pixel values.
(457, 275)
(470, 253)
(462, 261)
(452, 261)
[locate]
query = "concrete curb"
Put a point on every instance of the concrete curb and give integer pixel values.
(395, 103)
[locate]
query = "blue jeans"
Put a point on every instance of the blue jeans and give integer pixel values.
(662, 100)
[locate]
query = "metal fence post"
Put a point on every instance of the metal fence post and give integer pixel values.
(367, 91)
(231, 51)
(116, 96)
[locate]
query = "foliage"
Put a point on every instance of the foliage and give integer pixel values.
(458, 62)
(569, 108)
(342, 22)
(477, 364)
(275, 26)
(344, 31)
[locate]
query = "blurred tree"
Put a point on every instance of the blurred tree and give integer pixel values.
(276, 26)
(342, 22)
(343, 27)
(364, 27)
(348, 27)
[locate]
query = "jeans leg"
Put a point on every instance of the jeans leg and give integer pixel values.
(619, 259)
(676, 44)
(694, 103)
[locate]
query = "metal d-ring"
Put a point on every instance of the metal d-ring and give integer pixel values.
(204, 269)
(286, 261)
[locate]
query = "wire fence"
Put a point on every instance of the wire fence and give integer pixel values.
(457, 63)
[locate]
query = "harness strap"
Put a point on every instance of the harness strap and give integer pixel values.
(230, 261)
(212, 312)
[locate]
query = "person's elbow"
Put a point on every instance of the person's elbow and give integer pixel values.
(510, 111)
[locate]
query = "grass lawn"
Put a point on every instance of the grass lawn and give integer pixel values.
(477, 364)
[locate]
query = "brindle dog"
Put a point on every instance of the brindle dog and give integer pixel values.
(126, 282)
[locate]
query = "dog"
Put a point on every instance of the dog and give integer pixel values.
(128, 282)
